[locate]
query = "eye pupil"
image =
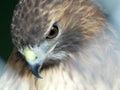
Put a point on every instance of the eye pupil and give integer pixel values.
(53, 32)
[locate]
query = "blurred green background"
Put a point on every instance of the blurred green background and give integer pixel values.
(6, 11)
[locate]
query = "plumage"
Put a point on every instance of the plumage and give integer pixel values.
(62, 45)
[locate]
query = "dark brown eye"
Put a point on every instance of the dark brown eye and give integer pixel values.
(53, 32)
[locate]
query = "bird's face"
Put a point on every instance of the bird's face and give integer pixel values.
(37, 34)
(46, 31)
(44, 52)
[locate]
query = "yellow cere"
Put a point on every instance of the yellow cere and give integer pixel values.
(29, 55)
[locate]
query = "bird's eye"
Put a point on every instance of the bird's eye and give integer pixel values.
(53, 32)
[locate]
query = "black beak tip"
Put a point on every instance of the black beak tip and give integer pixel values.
(35, 70)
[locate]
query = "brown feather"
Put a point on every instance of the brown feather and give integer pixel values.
(94, 65)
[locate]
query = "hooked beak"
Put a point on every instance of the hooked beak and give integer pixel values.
(36, 60)
(35, 70)
(34, 63)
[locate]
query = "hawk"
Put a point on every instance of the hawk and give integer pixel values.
(62, 45)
